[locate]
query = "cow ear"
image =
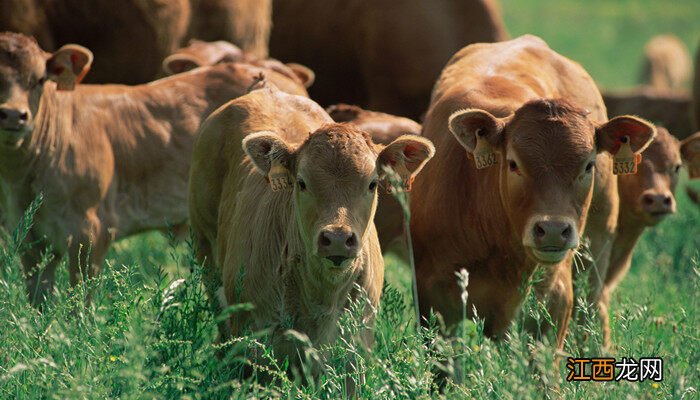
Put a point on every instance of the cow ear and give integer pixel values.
(405, 156)
(343, 112)
(690, 152)
(609, 136)
(266, 147)
(304, 73)
(179, 63)
(469, 125)
(68, 66)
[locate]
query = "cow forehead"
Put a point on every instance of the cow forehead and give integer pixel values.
(20, 56)
(664, 149)
(337, 151)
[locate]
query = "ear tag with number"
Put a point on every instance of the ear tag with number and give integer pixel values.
(694, 169)
(625, 161)
(484, 154)
(279, 176)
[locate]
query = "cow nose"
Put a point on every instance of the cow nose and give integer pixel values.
(337, 245)
(553, 235)
(12, 118)
(658, 203)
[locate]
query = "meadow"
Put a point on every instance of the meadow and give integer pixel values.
(148, 332)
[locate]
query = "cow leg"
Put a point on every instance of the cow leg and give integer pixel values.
(603, 306)
(213, 284)
(40, 282)
(87, 250)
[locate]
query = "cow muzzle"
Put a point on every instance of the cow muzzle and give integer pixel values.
(550, 239)
(657, 205)
(14, 123)
(339, 245)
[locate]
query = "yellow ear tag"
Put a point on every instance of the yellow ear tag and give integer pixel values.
(625, 161)
(694, 170)
(279, 176)
(484, 153)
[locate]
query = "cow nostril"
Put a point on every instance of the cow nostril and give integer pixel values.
(539, 231)
(667, 200)
(351, 242)
(24, 116)
(324, 240)
(566, 233)
(3, 115)
(647, 200)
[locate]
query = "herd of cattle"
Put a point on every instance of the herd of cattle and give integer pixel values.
(516, 163)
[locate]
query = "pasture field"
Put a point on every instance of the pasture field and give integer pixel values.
(148, 332)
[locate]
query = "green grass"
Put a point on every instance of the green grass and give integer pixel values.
(606, 36)
(148, 332)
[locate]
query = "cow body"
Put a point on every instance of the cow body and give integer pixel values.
(110, 160)
(480, 219)
(377, 55)
(261, 243)
(667, 65)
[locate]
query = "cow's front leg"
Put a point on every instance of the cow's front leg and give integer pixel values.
(87, 249)
(39, 278)
(557, 292)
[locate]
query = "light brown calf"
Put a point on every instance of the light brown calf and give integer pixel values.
(110, 160)
(284, 219)
(376, 54)
(667, 65)
(383, 128)
(646, 198)
(690, 152)
(535, 123)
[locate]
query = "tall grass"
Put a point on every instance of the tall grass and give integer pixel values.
(149, 334)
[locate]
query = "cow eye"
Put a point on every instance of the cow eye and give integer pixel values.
(302, 184)
(372, 185)
(676, 169)
(513, 166)
(589, 166)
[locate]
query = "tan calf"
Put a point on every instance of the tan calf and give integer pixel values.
(667, 65)
(285, 218)
(110, 160)
(690, 152)
(520, 131)
(646, 198)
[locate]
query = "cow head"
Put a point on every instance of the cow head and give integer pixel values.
(648, 194)
(199, 54)
(334, 176)
(24, 70)
(546, 153)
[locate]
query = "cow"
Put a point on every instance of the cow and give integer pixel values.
(246, 23)
(646, 199)
(666, 65)
(383, 128)
(110, 160)
(129, 41)
(670, 109)
(375, 54)
(696, 91)
(281, 205)
(520, 131)
(200, 53)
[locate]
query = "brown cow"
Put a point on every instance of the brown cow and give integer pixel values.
(285, 219)
(666, 65)
(376, 54)
(111, 160)
(529, 207)
(246, 23)
(646, 198)
(198, 54)
(384, 129)
(131, 39)
(669, 109)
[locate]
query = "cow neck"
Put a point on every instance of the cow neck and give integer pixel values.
(629, 230)
(320, 294)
